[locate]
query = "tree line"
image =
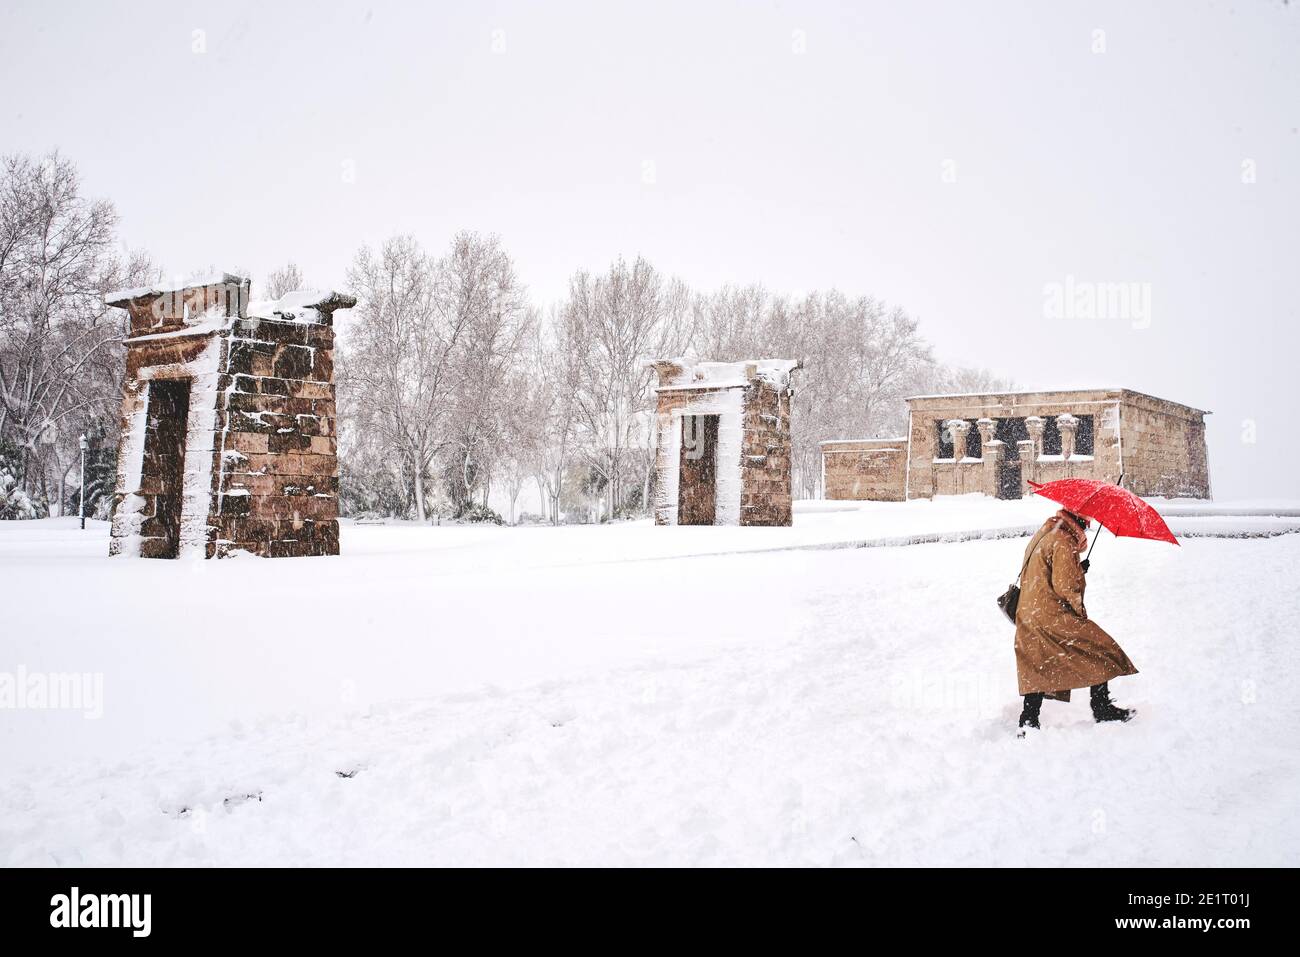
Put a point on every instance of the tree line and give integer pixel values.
(455, 389)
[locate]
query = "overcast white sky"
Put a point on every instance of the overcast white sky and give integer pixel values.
(952, 158)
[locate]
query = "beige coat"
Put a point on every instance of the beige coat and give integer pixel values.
(1057, 646)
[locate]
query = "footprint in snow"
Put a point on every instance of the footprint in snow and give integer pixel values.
(235, 800)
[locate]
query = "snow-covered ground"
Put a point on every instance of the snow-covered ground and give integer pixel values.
(638, 695)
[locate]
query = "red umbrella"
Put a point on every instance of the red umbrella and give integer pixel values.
(1113, 507)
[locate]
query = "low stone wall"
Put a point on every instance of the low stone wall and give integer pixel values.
(870, 470)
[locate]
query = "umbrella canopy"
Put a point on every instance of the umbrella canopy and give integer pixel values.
(1115, 508)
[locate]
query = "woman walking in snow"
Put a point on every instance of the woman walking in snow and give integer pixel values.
(1057, 647)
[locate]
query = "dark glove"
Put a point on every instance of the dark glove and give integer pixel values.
(1084, 565)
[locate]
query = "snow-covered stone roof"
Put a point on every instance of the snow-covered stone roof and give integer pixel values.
(119, 297)
(683, 373)
(1112, 392)
(894, 438)
(304, 305)
(981, 395)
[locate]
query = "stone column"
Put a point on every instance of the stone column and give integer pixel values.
(992, 454)
(962, 476)
(1067, 424)
(1035, 424)
(1028, 461)
(958, 428)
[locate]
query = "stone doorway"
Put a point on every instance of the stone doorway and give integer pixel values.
(1009, 480)
(697, 489)
(1010, 432)
(162, 476)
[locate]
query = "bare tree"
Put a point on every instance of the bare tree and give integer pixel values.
(522, 433)
(613, 324)
(557, 354)
(59, 343)
(429, 350)
(397, 357)
(478, 283)
(448, 361)
(280, 282)
(938, 378)
(861, 358)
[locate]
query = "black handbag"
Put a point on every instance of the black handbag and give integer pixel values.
(1009, 600)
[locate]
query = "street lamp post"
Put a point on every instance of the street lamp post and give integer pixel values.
(81, 501)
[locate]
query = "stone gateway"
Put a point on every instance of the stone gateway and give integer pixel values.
(228, 423)
(723, 442)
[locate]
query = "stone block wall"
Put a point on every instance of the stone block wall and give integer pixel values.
(1165, 452)
(766, 495)
(872, 470)
(277, 493)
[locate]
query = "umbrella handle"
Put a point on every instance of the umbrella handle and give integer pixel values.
(1100, 529)
(1088, 557)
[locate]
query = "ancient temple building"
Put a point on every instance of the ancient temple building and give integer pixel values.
(996, 444)
(228, 440)
(724, 442)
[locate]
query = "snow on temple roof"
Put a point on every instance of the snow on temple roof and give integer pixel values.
(997, 392)
(893, 438)
(682, 373)
(993, 394)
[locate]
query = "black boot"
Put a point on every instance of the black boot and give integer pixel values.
(1103, 709)
(1029, 716)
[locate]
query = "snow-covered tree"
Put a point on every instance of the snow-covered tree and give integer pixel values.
(14, 503)
(447, 362)
(612, 324)
(282, 281)
(478, 281)
(59, 343)
(426, 354)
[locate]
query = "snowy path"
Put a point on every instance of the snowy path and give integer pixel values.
(808, 707)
